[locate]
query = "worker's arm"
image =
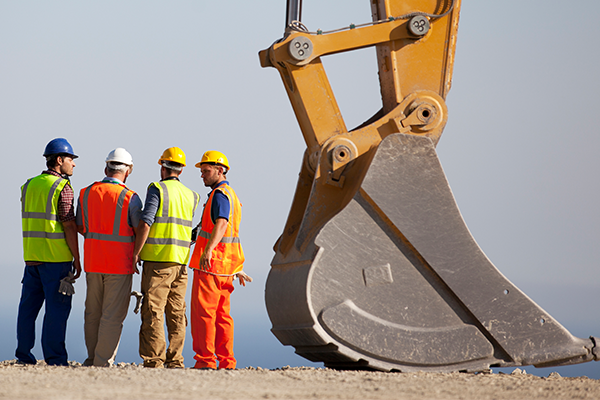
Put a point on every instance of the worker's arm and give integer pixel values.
(70, 228)
(143, 220)
(215, 237)
(79, 218)
(141, 234)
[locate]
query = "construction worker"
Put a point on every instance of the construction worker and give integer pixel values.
(51, 254)
(165, 228)
(217, 260)
(108, 214)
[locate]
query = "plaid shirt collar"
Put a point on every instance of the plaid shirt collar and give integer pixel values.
(51, 172)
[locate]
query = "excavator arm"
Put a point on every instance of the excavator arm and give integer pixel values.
(376, 268)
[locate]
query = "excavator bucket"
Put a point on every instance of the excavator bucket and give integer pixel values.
(376, 268)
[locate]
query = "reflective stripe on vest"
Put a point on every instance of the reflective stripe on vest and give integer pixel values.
(227, 258)
(47, 215)
(111, 237)
(206, 235)
(169, 238)
(167, 242)
(43, 234)
(107, 249)
(165, 200)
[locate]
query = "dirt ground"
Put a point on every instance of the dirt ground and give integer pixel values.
(131, 381)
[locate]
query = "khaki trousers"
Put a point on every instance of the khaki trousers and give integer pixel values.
(106, 304)
(164, 286)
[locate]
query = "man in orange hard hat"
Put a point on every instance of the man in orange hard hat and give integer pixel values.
(217, 260)
(163, 243)
(108, 214)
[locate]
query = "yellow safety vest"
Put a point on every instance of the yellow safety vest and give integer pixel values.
(227, 258)
(170, 235)
(43, 234)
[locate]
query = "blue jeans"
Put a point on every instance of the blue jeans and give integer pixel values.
(41, 283)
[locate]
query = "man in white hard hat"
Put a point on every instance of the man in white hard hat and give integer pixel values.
(108, 214)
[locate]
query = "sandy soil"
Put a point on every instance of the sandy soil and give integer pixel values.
(131, 381)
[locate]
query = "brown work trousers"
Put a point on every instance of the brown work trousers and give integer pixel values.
(106, 304)
(164, 286)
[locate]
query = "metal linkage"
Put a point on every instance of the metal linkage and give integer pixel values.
(294, 24)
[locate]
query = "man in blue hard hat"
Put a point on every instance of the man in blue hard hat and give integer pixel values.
(51, 255)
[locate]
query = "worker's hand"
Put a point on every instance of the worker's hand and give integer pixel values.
(77, 268)
(205, 261)
(136, 262)
(194, 235)
(242, 280)
(243, 277)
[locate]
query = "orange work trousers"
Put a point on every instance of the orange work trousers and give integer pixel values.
(212, 326)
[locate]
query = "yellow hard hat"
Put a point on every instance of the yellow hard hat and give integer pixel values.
(214, 157)
(174, 154)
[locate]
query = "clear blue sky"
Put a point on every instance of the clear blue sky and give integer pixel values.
(519, 150)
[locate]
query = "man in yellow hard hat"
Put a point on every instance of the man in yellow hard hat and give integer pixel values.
(108, 213)
(163, 242)
(217, 260)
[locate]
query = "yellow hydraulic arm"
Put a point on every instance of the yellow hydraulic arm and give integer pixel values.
(412, 92)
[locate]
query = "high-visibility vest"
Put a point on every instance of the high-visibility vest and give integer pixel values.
(228, 256)
(43, 234)
(109, 240)
(170, 235)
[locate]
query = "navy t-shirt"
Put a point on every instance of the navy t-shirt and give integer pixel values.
(220, 204)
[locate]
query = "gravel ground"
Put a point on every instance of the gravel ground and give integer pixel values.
(131, 381)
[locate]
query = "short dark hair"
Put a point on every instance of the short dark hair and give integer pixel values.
(52, 160)
(214, 164)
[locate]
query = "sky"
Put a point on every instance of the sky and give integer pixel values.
(519, 149)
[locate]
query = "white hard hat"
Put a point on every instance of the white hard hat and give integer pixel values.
(120, 155)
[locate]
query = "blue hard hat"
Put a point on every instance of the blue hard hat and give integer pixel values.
(59, 146)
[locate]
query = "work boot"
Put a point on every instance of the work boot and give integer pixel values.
(153, 364)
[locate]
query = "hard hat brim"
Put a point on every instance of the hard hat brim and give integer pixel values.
(199, 164)
(73, 156)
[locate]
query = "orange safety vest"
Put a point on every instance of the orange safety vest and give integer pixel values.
(109, 240)
(228, 257)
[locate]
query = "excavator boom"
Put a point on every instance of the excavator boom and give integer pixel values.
(376, 268)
